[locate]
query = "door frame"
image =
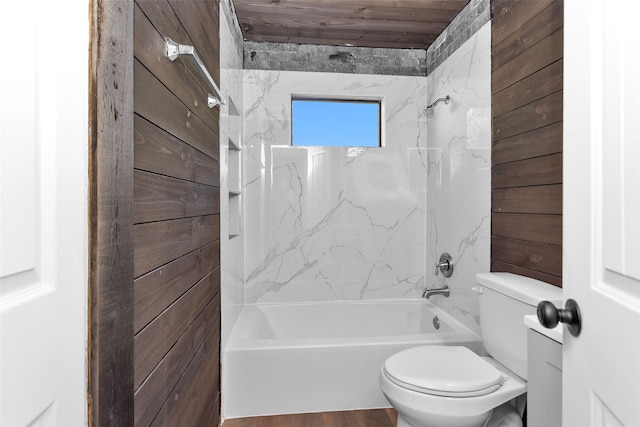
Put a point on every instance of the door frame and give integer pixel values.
(110, 347)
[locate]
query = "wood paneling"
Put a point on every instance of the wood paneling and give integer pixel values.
(530, 255)
(176, 219)
(545, 23)
(164, 19)
(338, 36)
(540, 113)
(372, 23)
(510, 15)
(362, 418)
(510, 268)
(543, 199)
(196, 395)
(540, 55)
(422, 13)
(160, 152)
(111, 218)
(152, 393)
(158, 243)
(200, 17)
(529, 172)
(161, 287)
(534, 228)
(526, 80)
(313, 22)
(536, 86)
(157, 104)
(311, 38)
(159, 197)
(173, 74)
(155, 340)
(534, 143)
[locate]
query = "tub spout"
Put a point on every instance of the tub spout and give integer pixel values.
(437, 291)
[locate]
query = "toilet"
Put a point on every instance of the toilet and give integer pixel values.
(451, 386)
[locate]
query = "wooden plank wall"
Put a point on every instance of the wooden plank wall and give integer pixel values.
(176, 215)
(526, 85)
(111, 196)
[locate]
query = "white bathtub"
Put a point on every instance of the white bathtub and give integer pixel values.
(296, 358)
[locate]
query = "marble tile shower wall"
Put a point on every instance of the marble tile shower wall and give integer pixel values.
(231, 249)
(331, 223)
(459, 173)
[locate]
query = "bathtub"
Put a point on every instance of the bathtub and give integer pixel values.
(316, 357)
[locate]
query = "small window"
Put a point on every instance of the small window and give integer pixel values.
(321, 122)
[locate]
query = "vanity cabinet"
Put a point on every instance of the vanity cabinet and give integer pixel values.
(544, 386)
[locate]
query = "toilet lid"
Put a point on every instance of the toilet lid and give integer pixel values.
(443, 371)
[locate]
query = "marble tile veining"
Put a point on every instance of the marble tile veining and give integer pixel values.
(459, 173)
(333, 223)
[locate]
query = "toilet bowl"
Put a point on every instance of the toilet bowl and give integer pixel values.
(450, 386)
(446, 386)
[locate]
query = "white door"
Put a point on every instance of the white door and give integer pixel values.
(43, 212)
(602, 212)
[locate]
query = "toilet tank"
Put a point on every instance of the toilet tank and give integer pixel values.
(504, 300)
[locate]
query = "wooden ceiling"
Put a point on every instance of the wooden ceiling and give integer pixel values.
(368, 23)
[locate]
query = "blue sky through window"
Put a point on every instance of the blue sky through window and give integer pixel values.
(335, 123)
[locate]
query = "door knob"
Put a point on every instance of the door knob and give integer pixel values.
(549, 316)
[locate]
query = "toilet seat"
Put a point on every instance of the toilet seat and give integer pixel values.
(449, 371)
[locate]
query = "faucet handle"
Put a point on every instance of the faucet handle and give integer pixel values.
(445, 265)
(442, 265)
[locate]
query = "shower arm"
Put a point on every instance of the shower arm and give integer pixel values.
(446, 100)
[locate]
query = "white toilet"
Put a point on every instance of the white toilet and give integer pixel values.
(450, 386)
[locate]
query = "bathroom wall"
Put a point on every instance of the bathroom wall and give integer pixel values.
(459, 170)
(176, 220)
(527, 138)
(331, 223)
(231, 247)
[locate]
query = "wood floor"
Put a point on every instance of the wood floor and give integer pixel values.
(365, 418)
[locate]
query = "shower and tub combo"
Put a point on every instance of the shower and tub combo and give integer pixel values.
(318, 357)
(346, 244)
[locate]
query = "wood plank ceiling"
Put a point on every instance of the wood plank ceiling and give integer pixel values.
(368, 23)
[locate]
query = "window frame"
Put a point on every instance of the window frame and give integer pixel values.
(380, 100)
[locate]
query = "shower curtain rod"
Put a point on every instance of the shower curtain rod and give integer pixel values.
(174, 50)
